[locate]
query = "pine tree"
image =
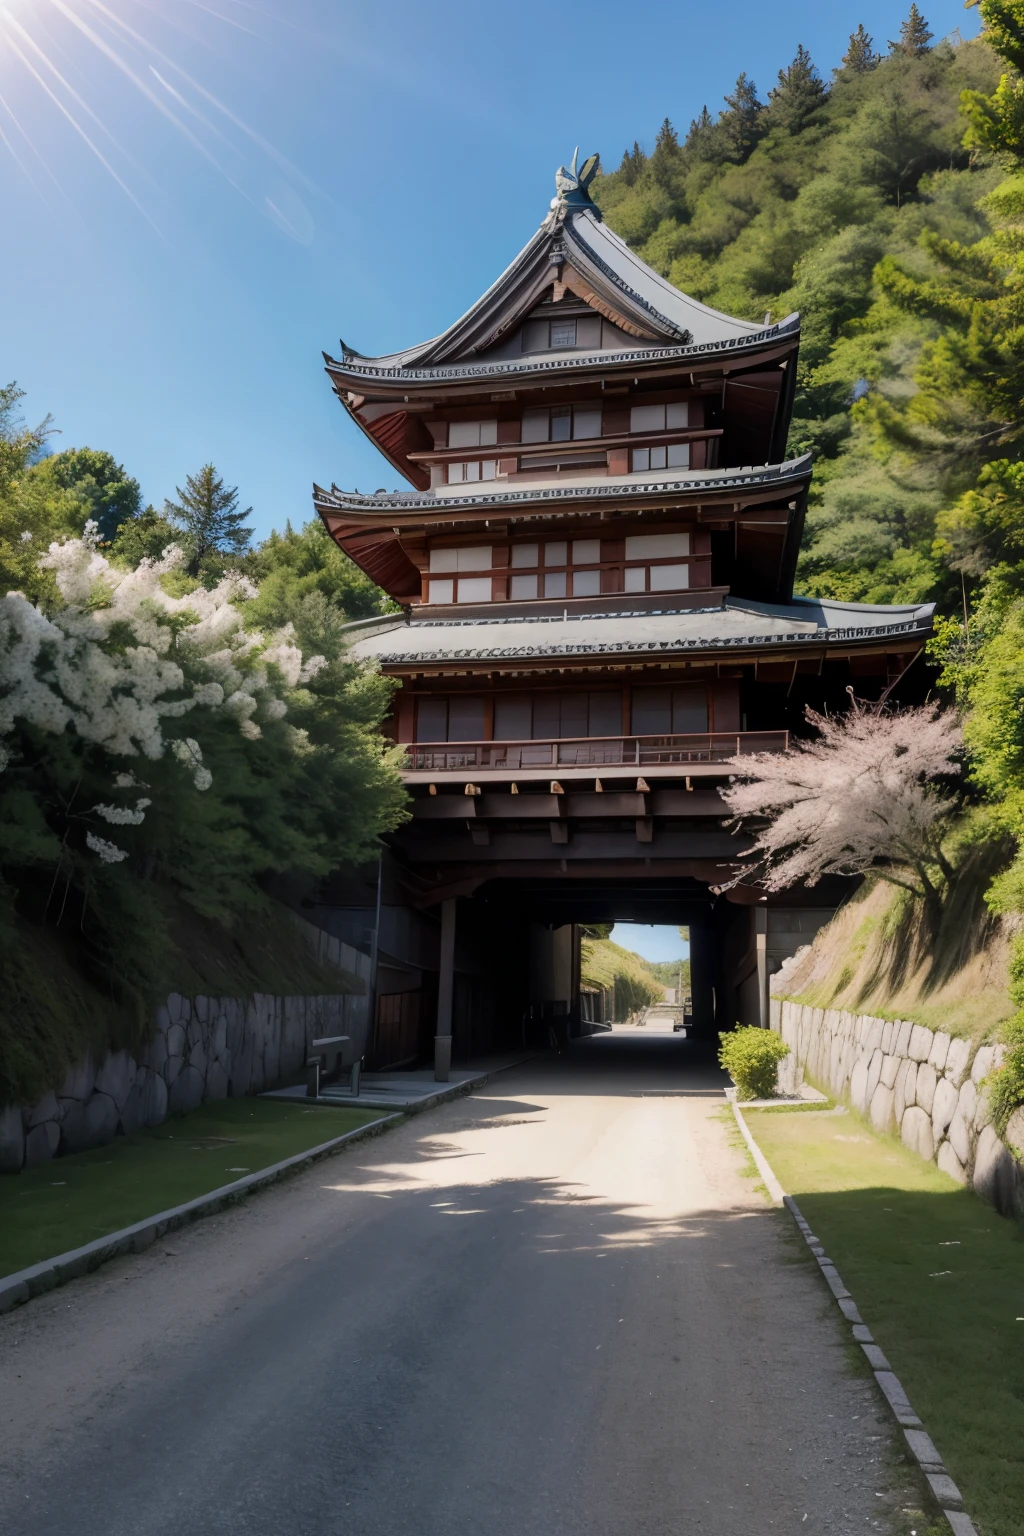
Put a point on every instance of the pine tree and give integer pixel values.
(633, 162)
(798, 95)
(860, 55)
(914, 37)
(666, 162)
(740, 125)
(997, 120)
(667, 138)
(700, 139)
(208, 515)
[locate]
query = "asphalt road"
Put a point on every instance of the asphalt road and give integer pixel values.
(555, 1307)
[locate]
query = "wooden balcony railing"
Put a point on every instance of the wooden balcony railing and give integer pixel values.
(590, 752)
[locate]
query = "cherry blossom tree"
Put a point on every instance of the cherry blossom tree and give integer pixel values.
(865, 793)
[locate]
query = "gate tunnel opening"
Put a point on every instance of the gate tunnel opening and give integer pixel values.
(495, 967)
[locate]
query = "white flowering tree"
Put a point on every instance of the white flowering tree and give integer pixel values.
(866, 793)
(148, 734)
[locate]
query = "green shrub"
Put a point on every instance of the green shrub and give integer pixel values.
(751, 1057)
(1006, 1084)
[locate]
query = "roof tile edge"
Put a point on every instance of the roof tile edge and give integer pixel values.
(396, 501)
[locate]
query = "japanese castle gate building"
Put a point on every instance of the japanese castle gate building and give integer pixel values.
(595, 568)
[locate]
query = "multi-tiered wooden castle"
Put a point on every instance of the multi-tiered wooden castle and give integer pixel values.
(595, 564)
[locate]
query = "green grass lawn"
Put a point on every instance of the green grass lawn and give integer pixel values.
(938, 1278)
(62, 1204)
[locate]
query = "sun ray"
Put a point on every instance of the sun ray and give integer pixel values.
(75, 124)
(281, 160)
(5, 104)
(126, 36)
(229, 21)
(20, 163)
(119, 63)
(188, 106)
(257, 10)
(44, 59)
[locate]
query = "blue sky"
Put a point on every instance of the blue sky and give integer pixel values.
(202, 195)
(651, 941)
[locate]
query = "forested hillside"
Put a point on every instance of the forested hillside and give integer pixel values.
(886, 203)
(853, 196)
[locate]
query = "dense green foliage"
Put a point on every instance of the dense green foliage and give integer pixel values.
(1006, 1084)
(827, 198)
(305, 579)
(668, 972)
(171, 744)
(751, 1057)
(887, 206)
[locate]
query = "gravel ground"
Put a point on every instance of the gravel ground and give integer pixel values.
(554, 1307)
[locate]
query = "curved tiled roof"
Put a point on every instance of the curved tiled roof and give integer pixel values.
(573, 233)
(588, 235)
(736, 626)
(617, 487)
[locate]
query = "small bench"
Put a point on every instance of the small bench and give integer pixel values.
(325, 1060)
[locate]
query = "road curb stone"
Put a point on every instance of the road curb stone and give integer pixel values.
(919, 1442)
(47, 1275)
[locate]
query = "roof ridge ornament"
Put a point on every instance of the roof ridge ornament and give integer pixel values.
(572, 189)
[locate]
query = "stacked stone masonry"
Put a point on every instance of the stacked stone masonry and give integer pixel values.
(925, 1086)
(201, 1048)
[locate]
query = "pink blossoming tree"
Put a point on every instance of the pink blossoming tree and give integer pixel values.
(865, 794)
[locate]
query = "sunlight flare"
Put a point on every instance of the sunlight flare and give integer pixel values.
(56, 62)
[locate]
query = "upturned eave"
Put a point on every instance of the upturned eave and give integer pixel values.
(358, 374)
(427, 507)
(742, 629)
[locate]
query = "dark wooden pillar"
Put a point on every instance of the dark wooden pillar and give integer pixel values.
(445, 993)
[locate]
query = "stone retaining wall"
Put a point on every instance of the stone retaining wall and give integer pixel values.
(201, 1048)
(920, 1084)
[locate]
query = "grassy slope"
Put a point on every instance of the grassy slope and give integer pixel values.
(61, 1205)
(602, 963)
(939, 1279)
(869, 961)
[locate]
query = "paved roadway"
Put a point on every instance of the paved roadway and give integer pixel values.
(556, 1307)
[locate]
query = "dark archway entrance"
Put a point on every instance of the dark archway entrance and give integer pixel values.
(494, 964)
